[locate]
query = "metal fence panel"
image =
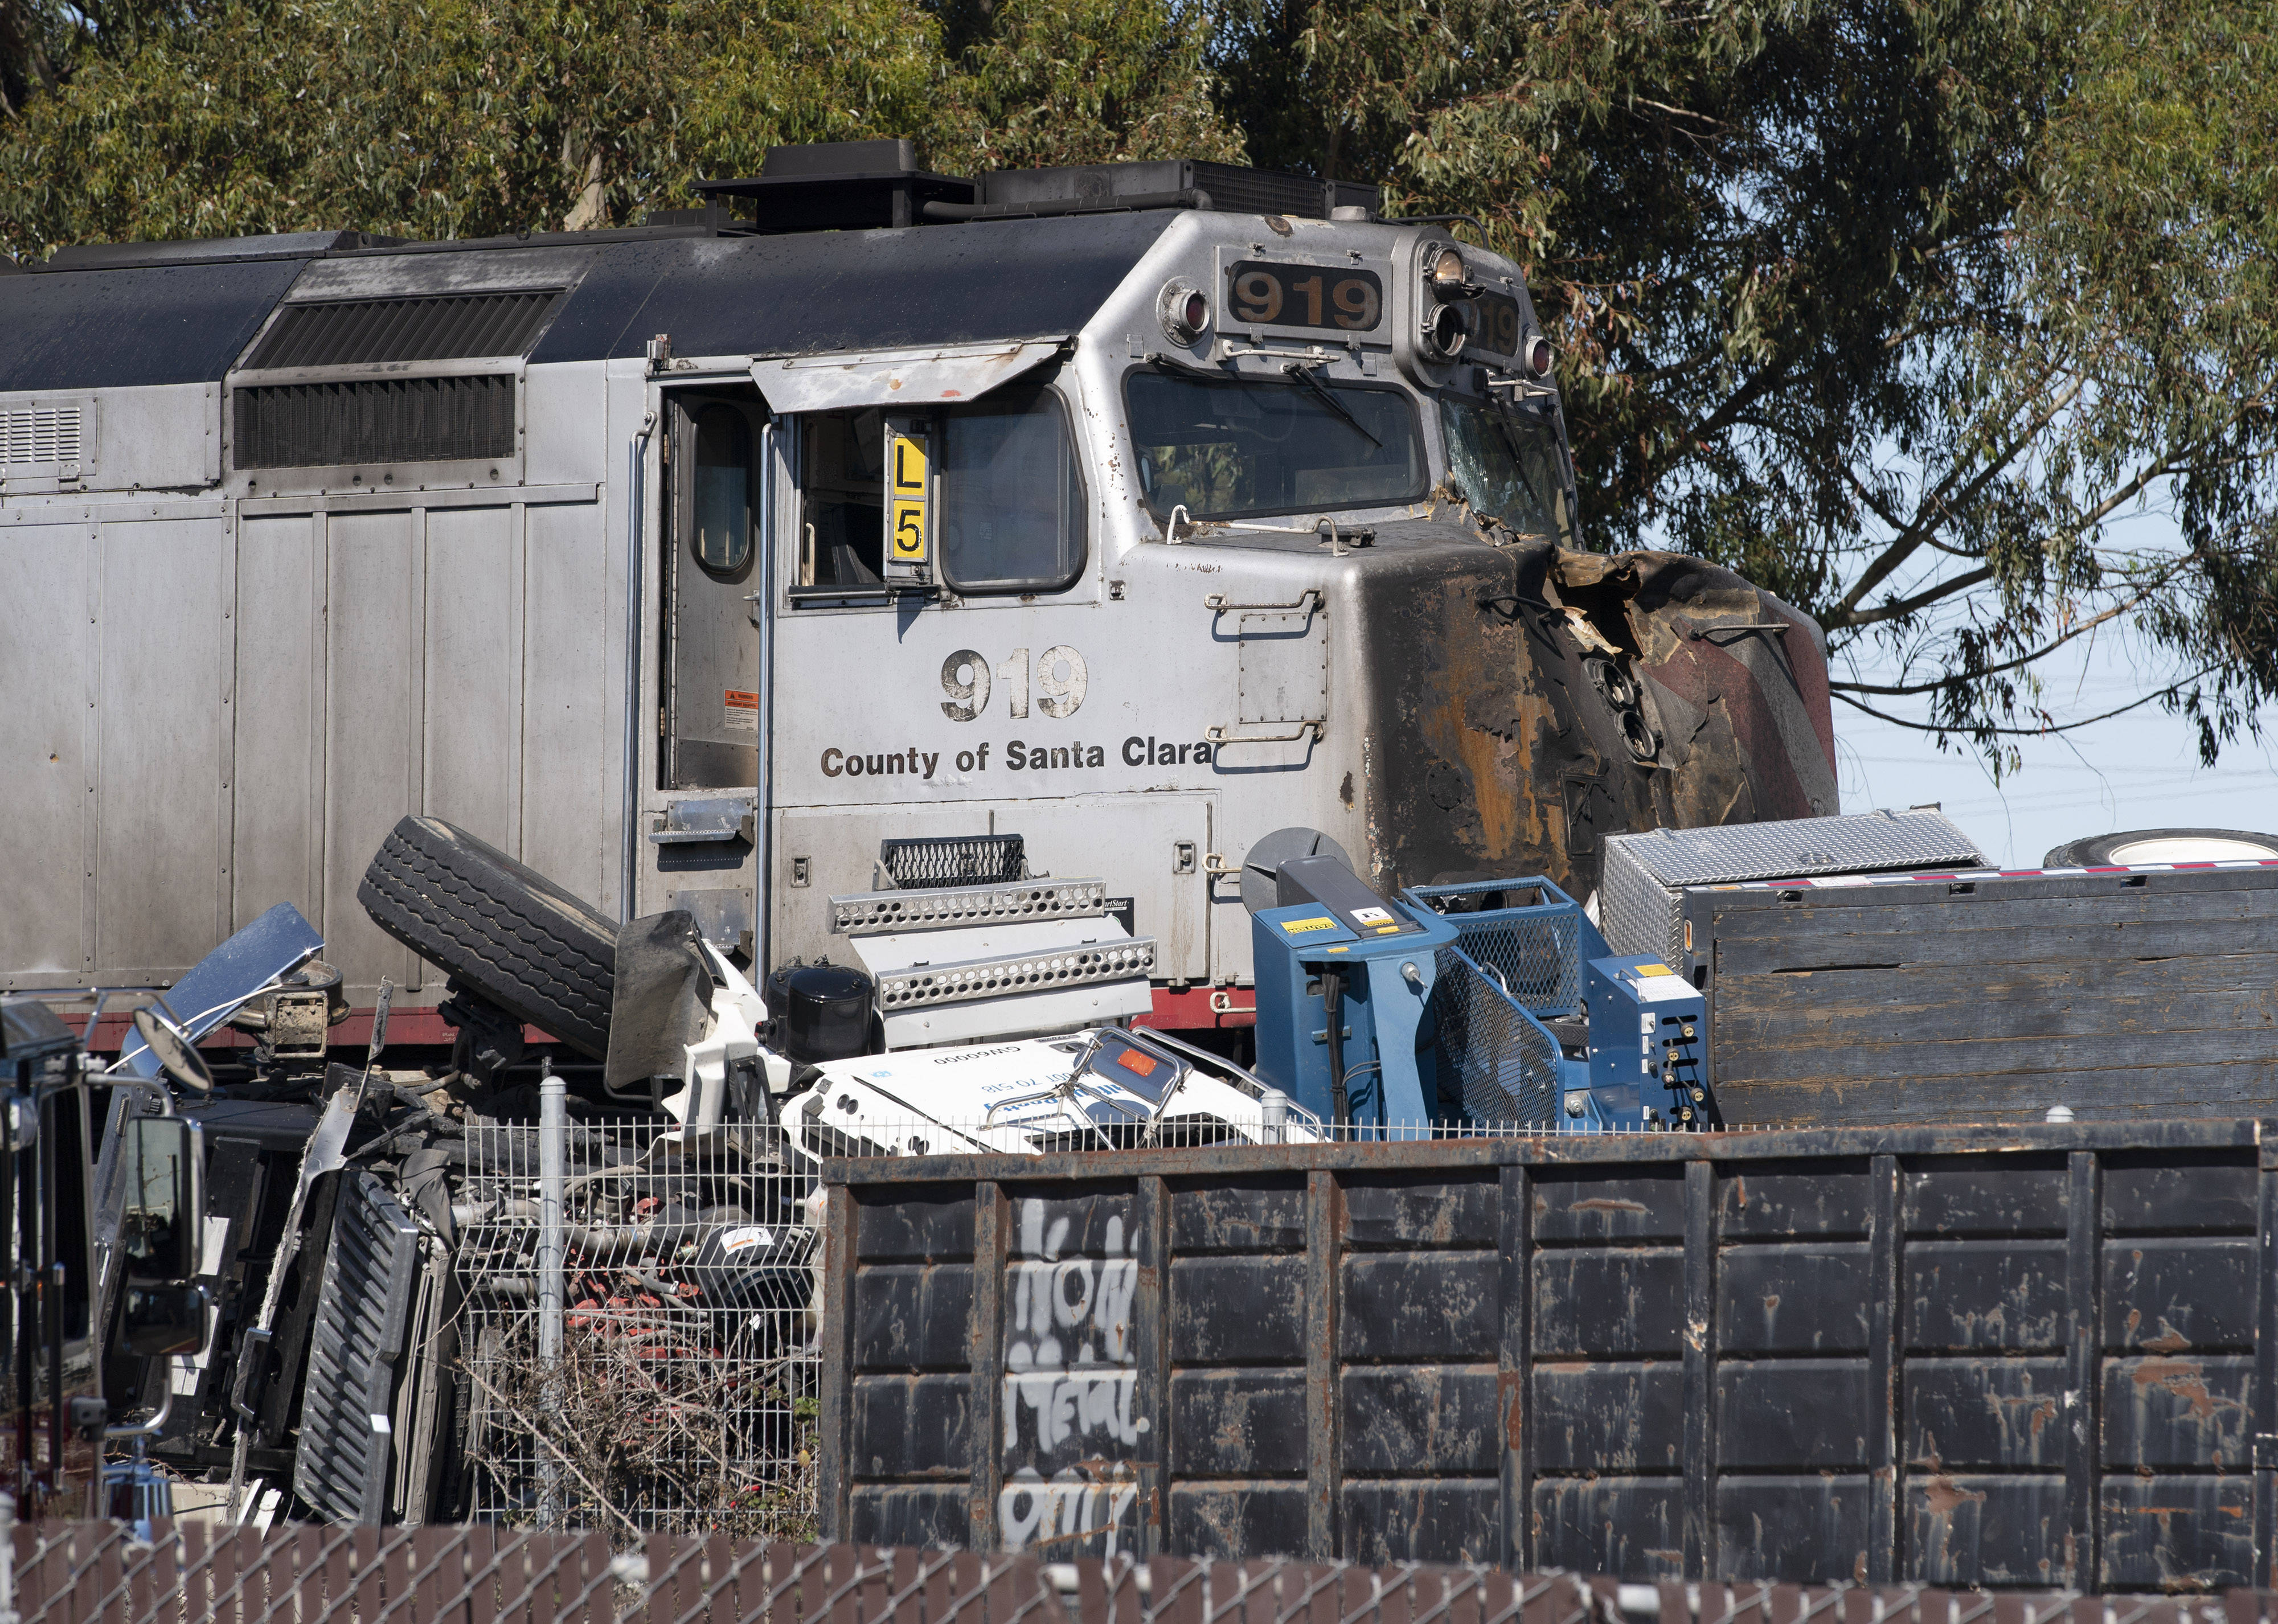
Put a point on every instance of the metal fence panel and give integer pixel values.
(684, 1393)
(1504, 1062)
(1944, 1356)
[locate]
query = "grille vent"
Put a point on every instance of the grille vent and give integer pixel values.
(32, 435)
(374, 419)
(362, 1308)
(360, 331)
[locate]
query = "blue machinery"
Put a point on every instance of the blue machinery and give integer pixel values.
(1433, 1008)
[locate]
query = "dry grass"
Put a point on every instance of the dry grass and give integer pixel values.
(657, 1417)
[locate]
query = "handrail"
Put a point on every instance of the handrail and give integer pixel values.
(1309, 601)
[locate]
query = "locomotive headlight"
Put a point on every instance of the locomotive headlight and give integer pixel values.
(1446, 329)
(1184, 311)
(1540, 357)
(1445, 268)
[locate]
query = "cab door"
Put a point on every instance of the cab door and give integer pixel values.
(709, 717)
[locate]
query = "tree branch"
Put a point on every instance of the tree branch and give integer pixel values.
(2051, 731)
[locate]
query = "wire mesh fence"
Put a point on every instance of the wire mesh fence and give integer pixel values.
(675, 1386)
(79, 1573)
(1503, 1061)
(681, 1392)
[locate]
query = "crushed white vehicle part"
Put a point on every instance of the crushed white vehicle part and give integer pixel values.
(731, 1043)
(1031, 1095)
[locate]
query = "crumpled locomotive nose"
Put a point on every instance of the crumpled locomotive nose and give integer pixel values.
(1548, 698)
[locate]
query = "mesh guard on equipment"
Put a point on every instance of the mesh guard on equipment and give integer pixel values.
(936, 861)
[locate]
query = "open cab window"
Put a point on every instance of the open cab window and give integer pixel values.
(1008, 497)
(841, 534)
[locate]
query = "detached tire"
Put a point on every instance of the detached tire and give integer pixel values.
(498, 928)
(2161, 846)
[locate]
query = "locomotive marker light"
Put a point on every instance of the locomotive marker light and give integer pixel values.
(1184, 311)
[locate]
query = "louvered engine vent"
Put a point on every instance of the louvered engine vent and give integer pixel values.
(365, 332)
(37, 436)
(374, 419)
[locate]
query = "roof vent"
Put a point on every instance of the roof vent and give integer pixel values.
(1170, 183)
(368, 331)
(859, 185)
(839, 185)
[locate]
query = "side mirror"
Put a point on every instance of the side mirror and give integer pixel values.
(169, 1318)
(162, 1225)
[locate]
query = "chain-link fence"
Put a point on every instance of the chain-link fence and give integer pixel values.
(81, 1573)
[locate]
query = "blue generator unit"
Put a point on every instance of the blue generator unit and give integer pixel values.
(1648, 1029)
(1344, 982)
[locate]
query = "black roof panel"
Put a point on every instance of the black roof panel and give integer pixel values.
(116, 329)
(804, 294)
(796, 295)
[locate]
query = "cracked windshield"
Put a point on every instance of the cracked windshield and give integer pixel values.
(1228, 448)
(1504, 458)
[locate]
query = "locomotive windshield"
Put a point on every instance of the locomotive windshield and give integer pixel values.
(1505, 457)
(1229, 449)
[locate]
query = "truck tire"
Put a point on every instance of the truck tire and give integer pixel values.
(2161, 846)
(498, 928)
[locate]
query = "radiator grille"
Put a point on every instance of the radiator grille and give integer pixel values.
(341, 1466)
(31, 435)
(374, 419)
(359, 331)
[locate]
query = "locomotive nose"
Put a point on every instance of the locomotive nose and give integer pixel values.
(1536, 703)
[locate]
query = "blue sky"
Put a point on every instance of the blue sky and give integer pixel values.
(2137, 771)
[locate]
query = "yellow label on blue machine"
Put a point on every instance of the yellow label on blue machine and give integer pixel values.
(1298, 927)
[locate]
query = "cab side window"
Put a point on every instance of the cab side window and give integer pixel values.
(720, 530)
(1011, 495)
(841, 499)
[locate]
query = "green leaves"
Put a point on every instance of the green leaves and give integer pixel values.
(1898, 308)
(1901, 306)
(469, 117)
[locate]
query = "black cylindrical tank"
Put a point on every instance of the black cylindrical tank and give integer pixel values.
(826, 1013)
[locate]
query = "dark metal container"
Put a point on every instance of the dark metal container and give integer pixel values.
(1974, 996)
(2033, 1357)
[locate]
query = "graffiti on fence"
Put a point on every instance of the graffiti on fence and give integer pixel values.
(1071, 1377)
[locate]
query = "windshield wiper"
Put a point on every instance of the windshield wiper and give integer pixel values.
(1306, 376)
(1177, 367)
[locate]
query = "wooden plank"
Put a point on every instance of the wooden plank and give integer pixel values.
(100, 1598)
(2121, 979)
(1935, 941)
(2265, 1427)
(1864, 1046)
(1150, 1216)
(1884, 1274)
(1323, 1413)
(2083, 1367)
(482, 1577)
(1697, 1454)
(985, 1351)
(2145, 1097)
(835, 1344)
(1514, 1366)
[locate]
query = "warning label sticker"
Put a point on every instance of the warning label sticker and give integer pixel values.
(743, 712)
(1299, 926)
